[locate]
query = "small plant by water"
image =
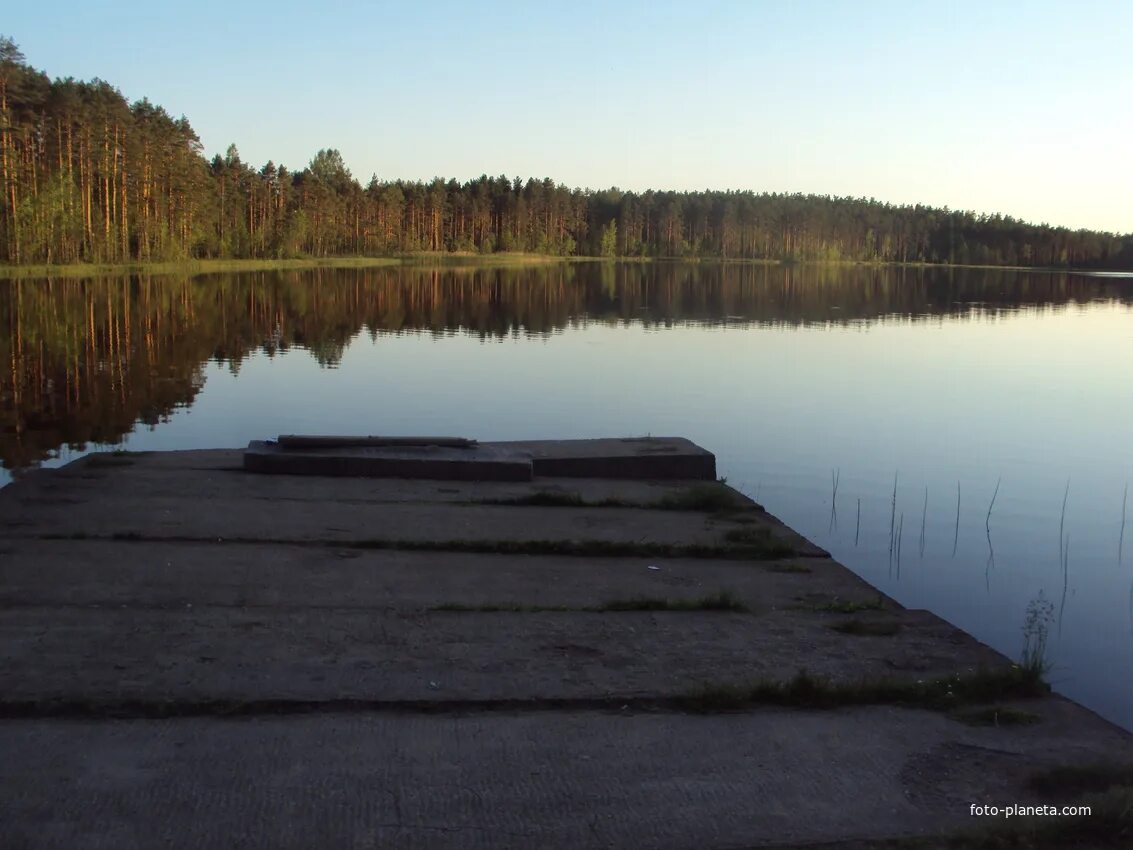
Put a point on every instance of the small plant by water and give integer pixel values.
(1036, 627)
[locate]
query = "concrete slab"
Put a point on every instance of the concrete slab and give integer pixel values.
(553, 780)
(196, 654)
(130, 620)
(146, 496)
(218, 474)
(124, 515)
(156, 574)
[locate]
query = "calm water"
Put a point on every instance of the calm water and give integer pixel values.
(799, 379)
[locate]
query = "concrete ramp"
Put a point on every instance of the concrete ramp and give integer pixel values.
(197, 657)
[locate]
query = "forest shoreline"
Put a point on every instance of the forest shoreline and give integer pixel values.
(216, 266)
(439, 258)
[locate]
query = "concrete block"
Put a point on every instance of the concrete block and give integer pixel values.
(477, 463)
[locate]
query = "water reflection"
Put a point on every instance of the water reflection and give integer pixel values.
(88, 359)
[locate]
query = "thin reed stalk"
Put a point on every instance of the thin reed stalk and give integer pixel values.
(956, 533)
(1062, 520)
(1121, 536)
(924, 518)
(893, 516)
(987, 522)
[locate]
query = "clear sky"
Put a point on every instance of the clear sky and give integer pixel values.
(1024, 108)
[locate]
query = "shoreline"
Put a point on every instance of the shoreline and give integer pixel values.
(442, 258)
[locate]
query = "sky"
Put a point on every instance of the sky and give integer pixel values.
(1021, 108)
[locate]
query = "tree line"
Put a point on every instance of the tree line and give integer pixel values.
(86, 176)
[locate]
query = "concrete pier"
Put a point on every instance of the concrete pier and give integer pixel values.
(197, 656)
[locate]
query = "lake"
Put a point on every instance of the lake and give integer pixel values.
(958, 437)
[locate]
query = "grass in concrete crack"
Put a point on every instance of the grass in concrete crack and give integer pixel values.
(765, 548)
(700, 497)
(789, 568)
(712, 498)
(803, 691)
(849, 606)
(506, 607)
(760, 539)
(997, 715)
(556, 499)
(724, 600)
(806, 691)
(868, 628)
